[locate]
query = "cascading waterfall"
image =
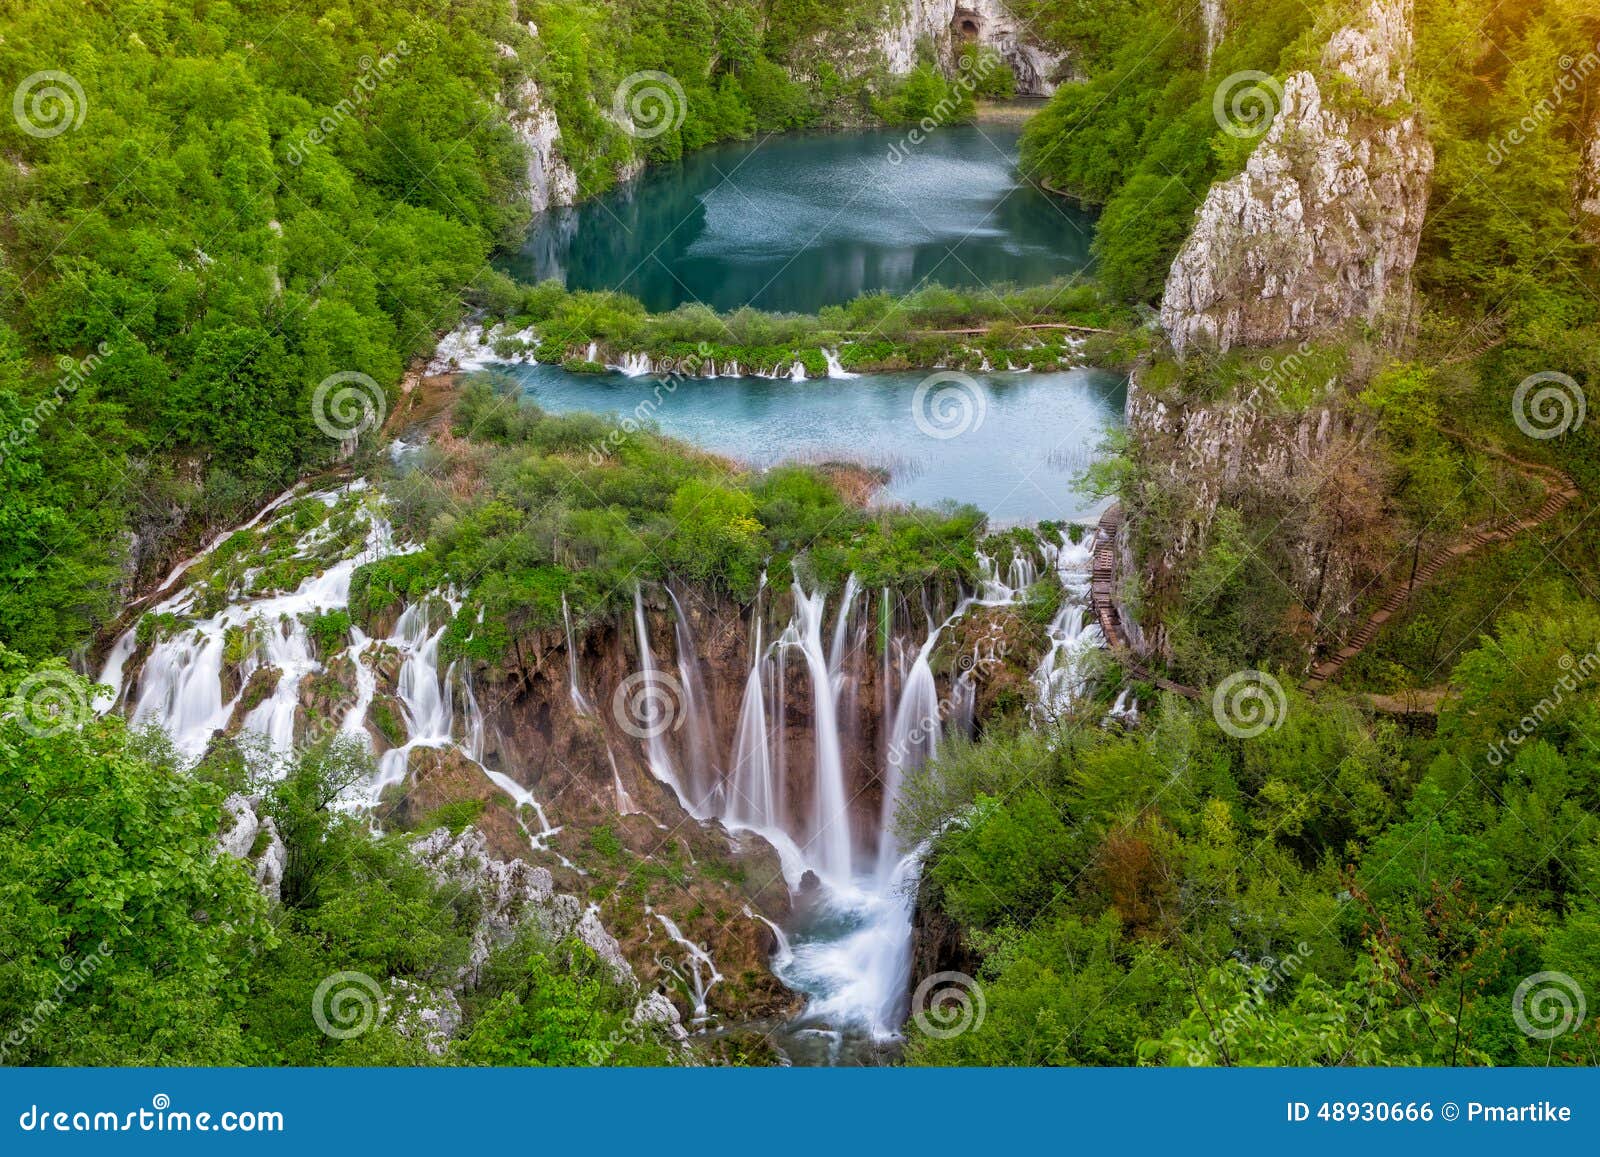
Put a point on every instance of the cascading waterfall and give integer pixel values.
(180, 686)
(1063, 674)
(655, 705)
(697, 970)
(835, 369)
(704, 776)
(574, 688)
(829, 835)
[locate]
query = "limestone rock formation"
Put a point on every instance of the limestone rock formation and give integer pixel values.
(944, 24)
(254, 838)
(551, 181)
(1322, 226)
(511, 893)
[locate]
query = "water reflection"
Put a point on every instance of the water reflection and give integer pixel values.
(801, 221)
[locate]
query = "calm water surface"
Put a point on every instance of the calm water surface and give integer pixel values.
(796, 222)
(1022, 436)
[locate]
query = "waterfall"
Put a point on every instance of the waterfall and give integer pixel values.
(836, 650)
(592, 354)
(913, 738)
(635, 365)
(797, 372)
(657, 706)
(704, 777)
(699, 971)
(180, 685)
(830, 818)
(579, 701)
(752, 796)
(835, 369)
(1062, 676)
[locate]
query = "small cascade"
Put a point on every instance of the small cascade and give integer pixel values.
(697, 971)
(797, 372)
(835, 369)
(287, 647)
(592, 354)
(1062, 676)
(574, 687)
(784, 956)
(423, 699)
(180, 686)
(635, 365)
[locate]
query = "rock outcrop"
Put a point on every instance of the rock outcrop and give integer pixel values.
(254, 839)
(511, 894)
(550, 180)
(944, 25)
(1322, 226)
(1311, 473)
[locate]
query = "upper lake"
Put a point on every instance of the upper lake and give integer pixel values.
(796, 222)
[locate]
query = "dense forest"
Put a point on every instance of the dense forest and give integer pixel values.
(214, 209)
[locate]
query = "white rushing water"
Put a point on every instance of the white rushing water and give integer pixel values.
(850, 951)
(1063, 674)
(192, 688)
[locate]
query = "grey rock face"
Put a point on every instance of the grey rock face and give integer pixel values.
(550, 179)
(241, 839)
(1322, 226)
(512, 893)
(431, 1015)
(943, 24)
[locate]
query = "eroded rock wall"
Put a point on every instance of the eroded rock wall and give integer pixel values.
(1322, 226)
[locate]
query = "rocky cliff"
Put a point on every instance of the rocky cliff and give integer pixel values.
(943, 25)
(1311, 476)
(1322, 226)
